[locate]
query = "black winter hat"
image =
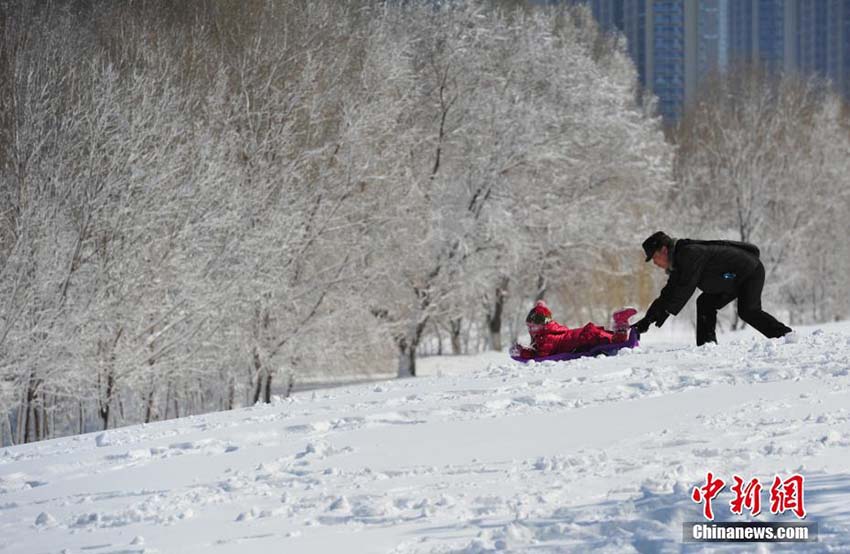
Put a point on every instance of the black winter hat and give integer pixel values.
(655, 241)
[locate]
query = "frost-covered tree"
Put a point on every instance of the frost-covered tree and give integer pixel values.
(578, 209)
(529, 134)
(203, 202)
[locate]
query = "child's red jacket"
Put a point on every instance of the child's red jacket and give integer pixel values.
(554, 338)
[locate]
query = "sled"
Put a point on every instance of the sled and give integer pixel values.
(606, 349)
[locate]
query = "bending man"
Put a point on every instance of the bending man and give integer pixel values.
(723, 270)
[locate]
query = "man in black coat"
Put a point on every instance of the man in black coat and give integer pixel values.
(723, 270)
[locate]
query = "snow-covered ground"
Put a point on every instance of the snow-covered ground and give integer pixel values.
(478, 455)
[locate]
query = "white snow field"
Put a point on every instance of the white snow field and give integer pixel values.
(479, 455)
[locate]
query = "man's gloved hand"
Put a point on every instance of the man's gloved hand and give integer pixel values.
(642, 326)
(659, 321)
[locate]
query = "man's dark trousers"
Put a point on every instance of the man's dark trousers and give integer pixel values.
(749, 310)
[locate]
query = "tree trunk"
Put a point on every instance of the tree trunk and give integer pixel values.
(167, 399)
(406, 359)
(29, 410)
(36, 419)
(52, 419)
(44, 432)
(231, 394)
(407, 345)
(7, 429)
(258, 390)
(19, 425)
(496, 336)
(25, 423)
(267, 397)
(258, 378)
(455, 331)
(149, 409)
(108, 351)
(407, 341)
(494, 318)
(105, 405)
(541, 287)
(290, 384)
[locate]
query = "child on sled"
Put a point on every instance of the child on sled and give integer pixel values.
(548, 337)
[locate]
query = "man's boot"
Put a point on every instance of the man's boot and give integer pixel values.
(706, 324)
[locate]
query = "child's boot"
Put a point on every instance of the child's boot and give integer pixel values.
(621, 324)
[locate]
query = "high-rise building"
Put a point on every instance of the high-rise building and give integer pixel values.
(776, 25)
(765, 32)
(844, 76)
(712, 36)
(608, 13)
(723, 33)
(675, 44)
(838, 45)
(669, 53)
(740, 30)
(634, 27)
(824, 41)
(813, 36)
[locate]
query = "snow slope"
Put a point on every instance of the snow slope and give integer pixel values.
(480, 455)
